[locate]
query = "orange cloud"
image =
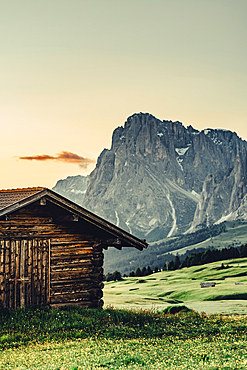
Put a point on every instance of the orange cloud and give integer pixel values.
(64, 156)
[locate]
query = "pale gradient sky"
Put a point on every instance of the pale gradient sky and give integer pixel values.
(71, 71)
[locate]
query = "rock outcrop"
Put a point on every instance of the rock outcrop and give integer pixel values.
(224, 195)
(73, 187)
(158, 176)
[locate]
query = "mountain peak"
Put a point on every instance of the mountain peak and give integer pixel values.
(150, 181)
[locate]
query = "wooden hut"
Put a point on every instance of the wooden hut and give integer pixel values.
(51, 250)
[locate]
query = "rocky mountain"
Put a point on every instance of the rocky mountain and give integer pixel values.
(224, 195)
(73, 187)
(160, 178)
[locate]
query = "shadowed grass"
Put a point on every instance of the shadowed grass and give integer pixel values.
(39, 325)
(153, 341)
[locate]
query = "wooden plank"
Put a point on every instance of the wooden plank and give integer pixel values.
(17, 274)
(49, 273)
(61, 298)
(72, 251)
(60, 243)
(81, 293)
(26, 286)
(60, 260)
(29, 272)
(72, 287)
(45, 278)
(82, 271)
(71, 267)
(72, 237)
(22, 272)
(72, 259)
(12, 274)
(68, 291)
(2, 272)
(44, 256)
(39, 272)
(70, 245)
(33, 227)
(7, 273)
(35, 272)
(55, 283)
(29, 236)
(70, 275)
(23, 220)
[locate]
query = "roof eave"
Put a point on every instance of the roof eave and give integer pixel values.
(81, 212)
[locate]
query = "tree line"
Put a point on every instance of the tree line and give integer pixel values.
(207, 256)
(116, 275)
(194, 259)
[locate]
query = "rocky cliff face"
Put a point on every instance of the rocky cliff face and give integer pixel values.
(159, 176)
(73, 187)
(224, 195)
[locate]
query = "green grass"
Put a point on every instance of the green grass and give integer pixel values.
(39, 325)
(147, 338)
(149, 354)
(235, 235)
(120, 339)
(183, 286)
(232, 233)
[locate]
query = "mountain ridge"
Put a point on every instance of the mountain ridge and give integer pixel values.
(151, 179)
(160, 178)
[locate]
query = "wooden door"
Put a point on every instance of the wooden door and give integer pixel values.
(24, 272)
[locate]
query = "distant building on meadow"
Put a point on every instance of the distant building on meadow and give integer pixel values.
(51, 250)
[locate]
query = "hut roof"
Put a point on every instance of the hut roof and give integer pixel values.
(12, 200)
(11, 196)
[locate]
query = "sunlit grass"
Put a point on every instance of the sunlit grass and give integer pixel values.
(167, 353)
(25, 326)
(166, 287)
(74, 338)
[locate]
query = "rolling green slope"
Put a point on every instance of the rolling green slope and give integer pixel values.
(227, 234)
(235, 235)
(183, 287)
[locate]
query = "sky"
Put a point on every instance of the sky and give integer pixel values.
(71, 71)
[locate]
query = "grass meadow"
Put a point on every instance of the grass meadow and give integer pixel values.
(159, 290)
(138, 333)
(150, 354)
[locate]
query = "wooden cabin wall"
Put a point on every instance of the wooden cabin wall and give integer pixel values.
(76, 257)
(76, 273)
(24, 272)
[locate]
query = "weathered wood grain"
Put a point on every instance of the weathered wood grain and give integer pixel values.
(2, 271)
(29, 271)
(59, 259)
(7, 273)
(22, 272)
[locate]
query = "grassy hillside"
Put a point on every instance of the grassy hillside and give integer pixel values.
(73, 338)
(183, 287)
(234, 235)
(227, 234)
